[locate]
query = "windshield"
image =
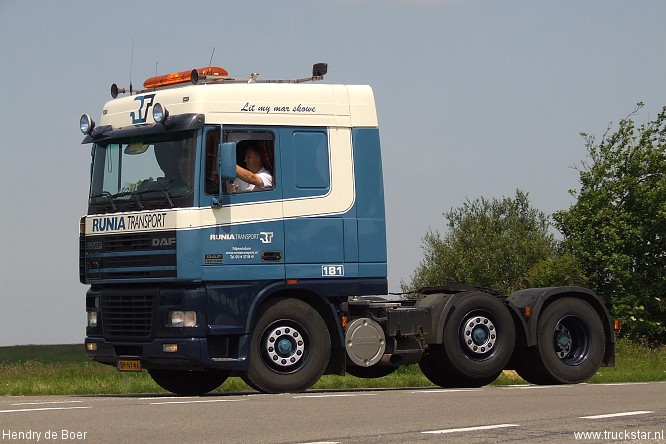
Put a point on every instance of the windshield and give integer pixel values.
(143, 173)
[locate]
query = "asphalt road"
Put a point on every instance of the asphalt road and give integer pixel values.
(608, 413)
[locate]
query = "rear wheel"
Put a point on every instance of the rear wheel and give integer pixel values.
(189, 383)
(375, 371)
(525, 367)
(479, 337)
(436, 375)
(570, 344)
(290, 347)
(443, 377)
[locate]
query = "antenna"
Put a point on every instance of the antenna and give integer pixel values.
(210, 61)
(211, 57)
(131, 65)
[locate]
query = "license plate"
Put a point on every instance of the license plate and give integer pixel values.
(129, 366)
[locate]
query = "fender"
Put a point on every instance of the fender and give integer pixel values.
(311, 293)
(439, 305)
(325, 298)
(539, 298)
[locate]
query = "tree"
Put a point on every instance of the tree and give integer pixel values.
(617, 227)
(500, 243)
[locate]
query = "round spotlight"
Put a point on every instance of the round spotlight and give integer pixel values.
(160, 113)
(86, 124)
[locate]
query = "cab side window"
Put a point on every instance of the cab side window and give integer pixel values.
(255, 157)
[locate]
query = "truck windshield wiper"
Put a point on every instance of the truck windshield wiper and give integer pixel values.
(121, 194)
(108, 197)
(137, 195)
(134, 194)
(156, 189)
(164, 192)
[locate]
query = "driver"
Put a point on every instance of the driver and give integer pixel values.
(256, 175)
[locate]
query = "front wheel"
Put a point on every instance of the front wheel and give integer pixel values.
(189, 383)
(290, 347)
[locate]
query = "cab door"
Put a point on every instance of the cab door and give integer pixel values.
(246, 239)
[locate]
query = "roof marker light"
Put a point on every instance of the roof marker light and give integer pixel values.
(87, 124)
(176, 78)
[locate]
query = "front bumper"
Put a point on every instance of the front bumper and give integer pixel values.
(188, 353)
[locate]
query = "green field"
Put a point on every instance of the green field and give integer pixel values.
(65, 370)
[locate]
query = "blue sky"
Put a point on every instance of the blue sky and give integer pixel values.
(474, 98)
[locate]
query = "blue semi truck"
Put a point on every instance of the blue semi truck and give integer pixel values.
(280, 280)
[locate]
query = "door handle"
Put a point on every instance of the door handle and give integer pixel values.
(271, 256)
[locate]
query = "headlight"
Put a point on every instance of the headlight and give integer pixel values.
(160, 113)
(86, 124)
(182, 319)
(92, 319)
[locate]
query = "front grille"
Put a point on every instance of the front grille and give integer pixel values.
(82, 258)
(131, 261)
(128, 256)
(162, 240)
(128, 317)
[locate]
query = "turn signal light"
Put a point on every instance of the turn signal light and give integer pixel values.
(170, 348)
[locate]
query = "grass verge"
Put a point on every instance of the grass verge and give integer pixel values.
(65, 370)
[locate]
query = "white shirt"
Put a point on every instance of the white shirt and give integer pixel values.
(266, 178)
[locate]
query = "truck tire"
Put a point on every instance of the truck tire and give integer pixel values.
(189, 383)
(436, 375)
(479, 338)
(431, 368)
(375, 371)
(570, 344)
(290, 347)
(526, 369)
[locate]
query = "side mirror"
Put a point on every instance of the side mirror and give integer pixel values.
(226, 161)
(226, 166)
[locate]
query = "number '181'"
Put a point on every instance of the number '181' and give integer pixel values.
(332, 270)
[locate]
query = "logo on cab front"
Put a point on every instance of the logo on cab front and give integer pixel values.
(163, 242)
(141, 115)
